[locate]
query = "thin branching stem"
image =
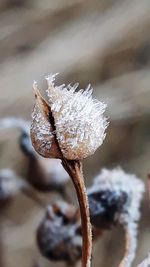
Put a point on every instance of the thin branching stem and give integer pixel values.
(74, 169)
(28, 192)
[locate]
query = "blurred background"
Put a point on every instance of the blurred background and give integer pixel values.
(102, 42)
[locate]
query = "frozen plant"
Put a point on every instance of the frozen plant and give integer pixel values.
(59, 233)
(71, 126)
(115, 197)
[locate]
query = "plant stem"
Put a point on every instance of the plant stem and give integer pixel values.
(74, 169)
(2, 262)
(130, 247)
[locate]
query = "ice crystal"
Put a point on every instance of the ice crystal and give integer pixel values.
(79, 120)
(117, 181)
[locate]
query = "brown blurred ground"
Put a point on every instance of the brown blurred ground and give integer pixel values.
(106, 43)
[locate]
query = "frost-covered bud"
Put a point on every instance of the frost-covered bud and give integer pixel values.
(8, 185)
(115, 197)
(59, 234)
(73, 117)
(105, 206)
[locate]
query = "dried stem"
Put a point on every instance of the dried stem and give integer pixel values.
(2, 260)
(127, 249)
(74, 169)
(130, 246)
(149, 188)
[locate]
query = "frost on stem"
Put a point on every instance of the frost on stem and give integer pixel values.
(115, 197)
(78, 118)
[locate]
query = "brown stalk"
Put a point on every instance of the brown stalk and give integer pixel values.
(74, 169)
(127, 248)
(2, 263)
(149, 188)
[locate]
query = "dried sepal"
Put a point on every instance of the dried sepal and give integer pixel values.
(42, 131)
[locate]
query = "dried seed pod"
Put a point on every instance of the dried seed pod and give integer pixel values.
(115, 197)
(59, 234)
(105, 207)
(74, 118)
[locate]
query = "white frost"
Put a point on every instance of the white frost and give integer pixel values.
(79, 120)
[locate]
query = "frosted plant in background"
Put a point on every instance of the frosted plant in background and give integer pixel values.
(70, 127)
(44, 175)
(116, 180)
(116, 196)
(59, 234)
